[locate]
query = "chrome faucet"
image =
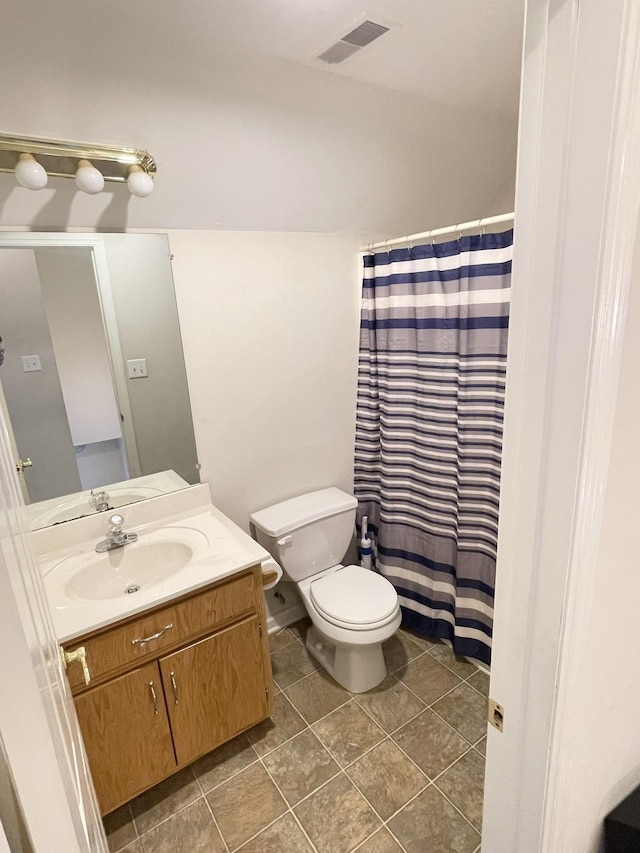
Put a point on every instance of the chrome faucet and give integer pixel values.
(116, 537)
(99, 501)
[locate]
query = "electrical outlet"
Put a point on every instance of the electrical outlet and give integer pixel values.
(30, 363)
(137, 368)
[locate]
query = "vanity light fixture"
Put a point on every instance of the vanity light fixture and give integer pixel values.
(34, 160)
(88, 178)
(139, 182)
(29, 173)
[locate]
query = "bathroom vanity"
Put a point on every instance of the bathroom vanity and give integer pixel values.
(167, 673)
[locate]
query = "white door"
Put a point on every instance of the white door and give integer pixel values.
(38, 725)
(13, 447)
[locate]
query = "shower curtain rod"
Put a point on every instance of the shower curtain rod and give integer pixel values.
(439, 232)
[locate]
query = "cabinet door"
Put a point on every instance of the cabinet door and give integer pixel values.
(126, 734)
(215, 688)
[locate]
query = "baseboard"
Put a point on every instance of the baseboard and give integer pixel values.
(285, 617)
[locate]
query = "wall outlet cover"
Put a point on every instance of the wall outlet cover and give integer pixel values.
(137, 368)
(30, 363)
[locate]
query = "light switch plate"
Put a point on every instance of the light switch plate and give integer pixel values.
(137, 368)
(30, 363)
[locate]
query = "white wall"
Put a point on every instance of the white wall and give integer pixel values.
(145, 305)
(270, 329)
(45, 439)
(71, 301)
(284, 147)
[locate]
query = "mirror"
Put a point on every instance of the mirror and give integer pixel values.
(93, 381)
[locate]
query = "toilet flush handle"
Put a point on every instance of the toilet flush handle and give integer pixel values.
(286, 540)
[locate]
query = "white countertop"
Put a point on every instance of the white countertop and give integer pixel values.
(226, 550)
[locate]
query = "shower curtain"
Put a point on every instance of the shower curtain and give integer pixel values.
(431, 380)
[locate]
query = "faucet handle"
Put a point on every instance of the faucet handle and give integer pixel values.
(115, 523)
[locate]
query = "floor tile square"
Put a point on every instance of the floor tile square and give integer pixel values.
(245, 805)
(225, 761)
(284, 723)
(301, 628)
(316, 695)
(381, 842)
(431, 743)
(119, 828)
(387, 778)
(466, 710)
(428, 678)
(134, 847)
(399, 650)
(300, 766)
(430, 823)
(423, 641)
(291, 663)
(463, 784)
(445, 654)
(284, 836)
(323, 817)
(281, 638)
(480, 681)
(191, 830)
(348, 732)
(390, 704)
(164, 799)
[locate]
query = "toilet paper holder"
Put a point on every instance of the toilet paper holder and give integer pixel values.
(271, 574)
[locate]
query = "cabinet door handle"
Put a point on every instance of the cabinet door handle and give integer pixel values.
(142, 640)
(80, 655)
(154, 698)
(175, 687)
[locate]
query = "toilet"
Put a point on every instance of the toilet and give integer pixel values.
(353, 610)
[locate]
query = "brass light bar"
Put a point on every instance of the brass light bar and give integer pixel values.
(60, 158)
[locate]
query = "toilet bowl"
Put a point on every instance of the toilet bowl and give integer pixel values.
(353, 610)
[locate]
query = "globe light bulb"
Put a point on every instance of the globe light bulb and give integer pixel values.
(29, 173)
(139, 182)
(88, 178)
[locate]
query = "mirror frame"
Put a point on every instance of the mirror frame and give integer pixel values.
(93, 242)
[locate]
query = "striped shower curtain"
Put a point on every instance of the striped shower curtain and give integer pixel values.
(431, 379)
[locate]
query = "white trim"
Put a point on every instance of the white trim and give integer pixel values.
(38, 726)
(620, 224)
(95, 243)
(560, 380)
(285, 617)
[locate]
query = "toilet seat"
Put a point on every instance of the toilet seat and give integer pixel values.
(334, 594)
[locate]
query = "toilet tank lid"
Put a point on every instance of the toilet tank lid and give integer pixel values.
(297, 512)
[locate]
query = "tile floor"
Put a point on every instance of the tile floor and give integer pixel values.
(400, 768)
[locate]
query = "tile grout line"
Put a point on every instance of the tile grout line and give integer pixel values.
(341, 770)
(208, 804)
(430, 781)
(289, 807)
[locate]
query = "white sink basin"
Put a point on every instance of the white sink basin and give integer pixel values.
(125, 571)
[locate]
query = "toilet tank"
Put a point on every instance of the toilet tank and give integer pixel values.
(307, 534)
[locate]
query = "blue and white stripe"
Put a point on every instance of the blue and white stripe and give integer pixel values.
(431, 384)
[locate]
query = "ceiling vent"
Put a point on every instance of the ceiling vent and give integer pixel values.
(353, 42)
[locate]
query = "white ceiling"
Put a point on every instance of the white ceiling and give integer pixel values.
(250, 130)
(465, 53)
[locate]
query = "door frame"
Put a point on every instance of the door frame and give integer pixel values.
(42, 742)
(578, 190)
(95, 244)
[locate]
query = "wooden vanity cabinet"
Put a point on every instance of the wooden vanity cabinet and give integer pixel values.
(128, 740)
(156, 703)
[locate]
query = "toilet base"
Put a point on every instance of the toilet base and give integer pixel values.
(357, 668)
